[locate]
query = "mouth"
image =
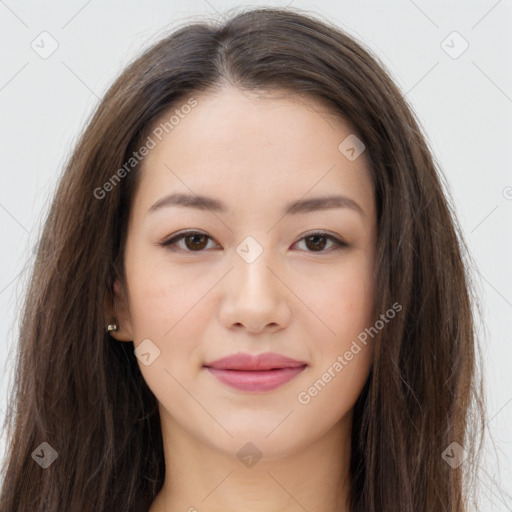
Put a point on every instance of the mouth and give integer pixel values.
(256, 380)
(250, 373)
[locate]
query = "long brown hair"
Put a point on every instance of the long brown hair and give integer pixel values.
(82, 392)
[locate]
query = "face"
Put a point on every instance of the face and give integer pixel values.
(255, 276)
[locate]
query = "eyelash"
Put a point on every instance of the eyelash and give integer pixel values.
(339, 244)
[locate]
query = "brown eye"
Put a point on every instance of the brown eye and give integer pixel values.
(316, 242)
(195, 241)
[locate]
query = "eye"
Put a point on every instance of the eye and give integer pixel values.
(317, 240)
(195, 241)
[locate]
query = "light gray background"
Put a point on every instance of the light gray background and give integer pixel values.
(464, 105)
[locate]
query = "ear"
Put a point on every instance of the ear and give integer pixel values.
(117, 312)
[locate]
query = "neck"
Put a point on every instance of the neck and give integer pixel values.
(202, 478)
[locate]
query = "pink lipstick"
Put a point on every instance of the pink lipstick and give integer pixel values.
(263, 372)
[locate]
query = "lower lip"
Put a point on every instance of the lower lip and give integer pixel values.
(263, 380)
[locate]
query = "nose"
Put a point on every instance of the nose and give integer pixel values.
(255, 296)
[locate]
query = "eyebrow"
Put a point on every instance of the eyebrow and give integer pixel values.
(295, 207)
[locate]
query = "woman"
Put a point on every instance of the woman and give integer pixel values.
(249, 293)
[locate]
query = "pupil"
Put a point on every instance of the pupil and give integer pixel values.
(196, 244)
(316, 237)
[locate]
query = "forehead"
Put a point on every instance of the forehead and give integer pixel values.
(254, 150)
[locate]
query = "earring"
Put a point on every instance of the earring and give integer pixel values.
(111, 327)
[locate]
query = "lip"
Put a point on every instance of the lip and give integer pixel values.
(263, 372)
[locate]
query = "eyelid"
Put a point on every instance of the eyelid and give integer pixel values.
(338, 242)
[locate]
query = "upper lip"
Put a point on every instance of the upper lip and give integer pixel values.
(245, 361)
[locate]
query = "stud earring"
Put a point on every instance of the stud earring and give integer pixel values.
(111, 327)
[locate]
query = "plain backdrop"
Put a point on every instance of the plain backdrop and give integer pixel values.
(459, 85)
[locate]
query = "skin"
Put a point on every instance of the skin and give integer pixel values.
(305, 300)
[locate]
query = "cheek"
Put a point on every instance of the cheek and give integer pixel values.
(342, 352)
(170, 314)
(160, 293)
(153, 306)
(170, 307)
(342, 304)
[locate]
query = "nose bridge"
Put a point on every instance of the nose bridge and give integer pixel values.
(252, 263)
(254, 296)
